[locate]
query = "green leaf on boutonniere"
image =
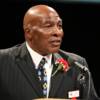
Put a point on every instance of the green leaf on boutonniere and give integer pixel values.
(62, 65)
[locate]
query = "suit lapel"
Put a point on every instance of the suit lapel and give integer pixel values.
(56, 82)
(27, 67)
(57, 79)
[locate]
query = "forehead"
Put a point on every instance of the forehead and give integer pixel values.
(51, 18)
(42, 15)
(46, 19)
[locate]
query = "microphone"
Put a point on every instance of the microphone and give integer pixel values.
(78, 64)
(82, 77)
(81, 66)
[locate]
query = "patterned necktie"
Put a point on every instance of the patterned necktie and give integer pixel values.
(42, 75)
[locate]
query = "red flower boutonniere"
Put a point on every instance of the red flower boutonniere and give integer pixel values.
(61, 65)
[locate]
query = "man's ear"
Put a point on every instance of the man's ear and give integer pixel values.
(27, 30)
(28, 33)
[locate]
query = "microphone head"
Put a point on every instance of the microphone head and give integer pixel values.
(74, 61)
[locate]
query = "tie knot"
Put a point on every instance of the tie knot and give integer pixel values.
(42, 62)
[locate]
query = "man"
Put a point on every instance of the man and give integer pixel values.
(67, 75)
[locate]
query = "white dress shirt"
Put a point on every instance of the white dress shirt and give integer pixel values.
(36, 58)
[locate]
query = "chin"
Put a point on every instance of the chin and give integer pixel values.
(54, 50)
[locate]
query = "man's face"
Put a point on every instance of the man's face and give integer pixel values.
(46, 34)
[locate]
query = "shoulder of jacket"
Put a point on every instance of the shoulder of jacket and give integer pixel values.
(9, 51)
(72, 55)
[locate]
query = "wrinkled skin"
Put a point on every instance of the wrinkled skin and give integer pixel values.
(43, 29)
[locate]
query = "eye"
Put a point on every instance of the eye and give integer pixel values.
(48, 25)
(60, 25)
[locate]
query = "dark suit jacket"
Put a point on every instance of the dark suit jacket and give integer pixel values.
(18, 78)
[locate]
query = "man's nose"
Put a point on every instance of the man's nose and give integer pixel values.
(57, 31)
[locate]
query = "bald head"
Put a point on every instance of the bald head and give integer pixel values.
(33, 14)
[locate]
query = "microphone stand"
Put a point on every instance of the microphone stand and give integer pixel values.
(82, 76)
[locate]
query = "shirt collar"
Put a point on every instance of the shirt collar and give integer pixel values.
(36, 57)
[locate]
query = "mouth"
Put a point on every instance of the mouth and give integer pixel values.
(56, 43)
